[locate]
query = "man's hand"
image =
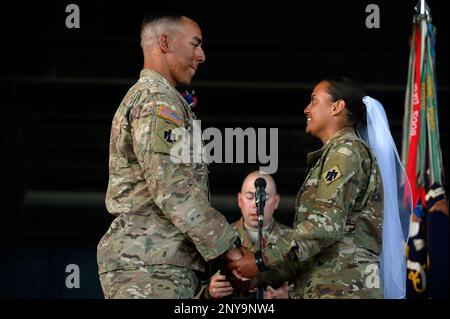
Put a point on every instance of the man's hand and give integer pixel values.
(234, 254)
(280, 293)
(219, 287)
(238, 282)
(246, 265)
(230, 257)
(241, 285)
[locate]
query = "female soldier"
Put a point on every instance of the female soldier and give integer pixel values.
(337, 238)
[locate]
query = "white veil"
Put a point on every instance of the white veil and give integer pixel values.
(397, 199)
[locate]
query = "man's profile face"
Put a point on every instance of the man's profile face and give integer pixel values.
(186, 52)
(247, 204)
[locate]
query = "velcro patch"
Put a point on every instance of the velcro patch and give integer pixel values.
(164, 137)
(332, 174)
(345, 151)
(169, 115)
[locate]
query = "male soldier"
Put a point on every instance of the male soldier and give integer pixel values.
(165, 228)
(247, 228)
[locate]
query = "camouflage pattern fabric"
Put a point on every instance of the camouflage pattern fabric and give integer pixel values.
(275, 231)
(336, 240)
(156, 281)
(162, 208)
(277, 276)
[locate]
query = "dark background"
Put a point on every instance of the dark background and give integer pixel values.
(60, 88)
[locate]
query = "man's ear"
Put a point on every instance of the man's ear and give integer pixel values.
(163, 42)
(240, 199)
(338, 107)
(277, 200)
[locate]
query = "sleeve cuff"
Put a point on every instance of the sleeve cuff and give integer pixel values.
(212, 245)
(276, 253)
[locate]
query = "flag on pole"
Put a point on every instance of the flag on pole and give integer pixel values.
(427, 252)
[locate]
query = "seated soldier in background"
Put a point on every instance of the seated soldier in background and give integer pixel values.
(247, 228)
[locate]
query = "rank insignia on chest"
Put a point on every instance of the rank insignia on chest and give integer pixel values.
(332, 174)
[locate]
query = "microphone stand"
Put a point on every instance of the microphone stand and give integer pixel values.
(260, 185)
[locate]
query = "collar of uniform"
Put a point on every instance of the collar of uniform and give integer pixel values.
(242, 231)
(340, 133)
(239, 225)
(312, 157)
(265, 229)
(148, 73)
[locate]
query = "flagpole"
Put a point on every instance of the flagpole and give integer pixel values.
(422, 6)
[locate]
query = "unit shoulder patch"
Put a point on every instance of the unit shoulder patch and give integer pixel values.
(332, 175)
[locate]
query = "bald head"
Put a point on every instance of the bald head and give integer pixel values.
(247, 204)
(253, 176)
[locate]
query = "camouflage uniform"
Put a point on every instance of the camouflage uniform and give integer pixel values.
(271, 234)
(336, 240)
(162, 208)
(275, 231)
(153, 281)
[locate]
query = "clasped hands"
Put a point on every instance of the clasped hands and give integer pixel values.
(240, 269)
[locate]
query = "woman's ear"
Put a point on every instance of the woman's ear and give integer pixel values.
(338, 107)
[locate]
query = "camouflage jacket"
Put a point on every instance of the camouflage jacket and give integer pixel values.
(161, 202)
(336, 240)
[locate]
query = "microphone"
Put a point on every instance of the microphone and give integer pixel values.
(260, 185)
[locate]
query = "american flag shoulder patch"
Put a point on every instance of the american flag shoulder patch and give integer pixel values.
(169, 115)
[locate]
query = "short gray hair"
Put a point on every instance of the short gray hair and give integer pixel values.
(153, 26)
